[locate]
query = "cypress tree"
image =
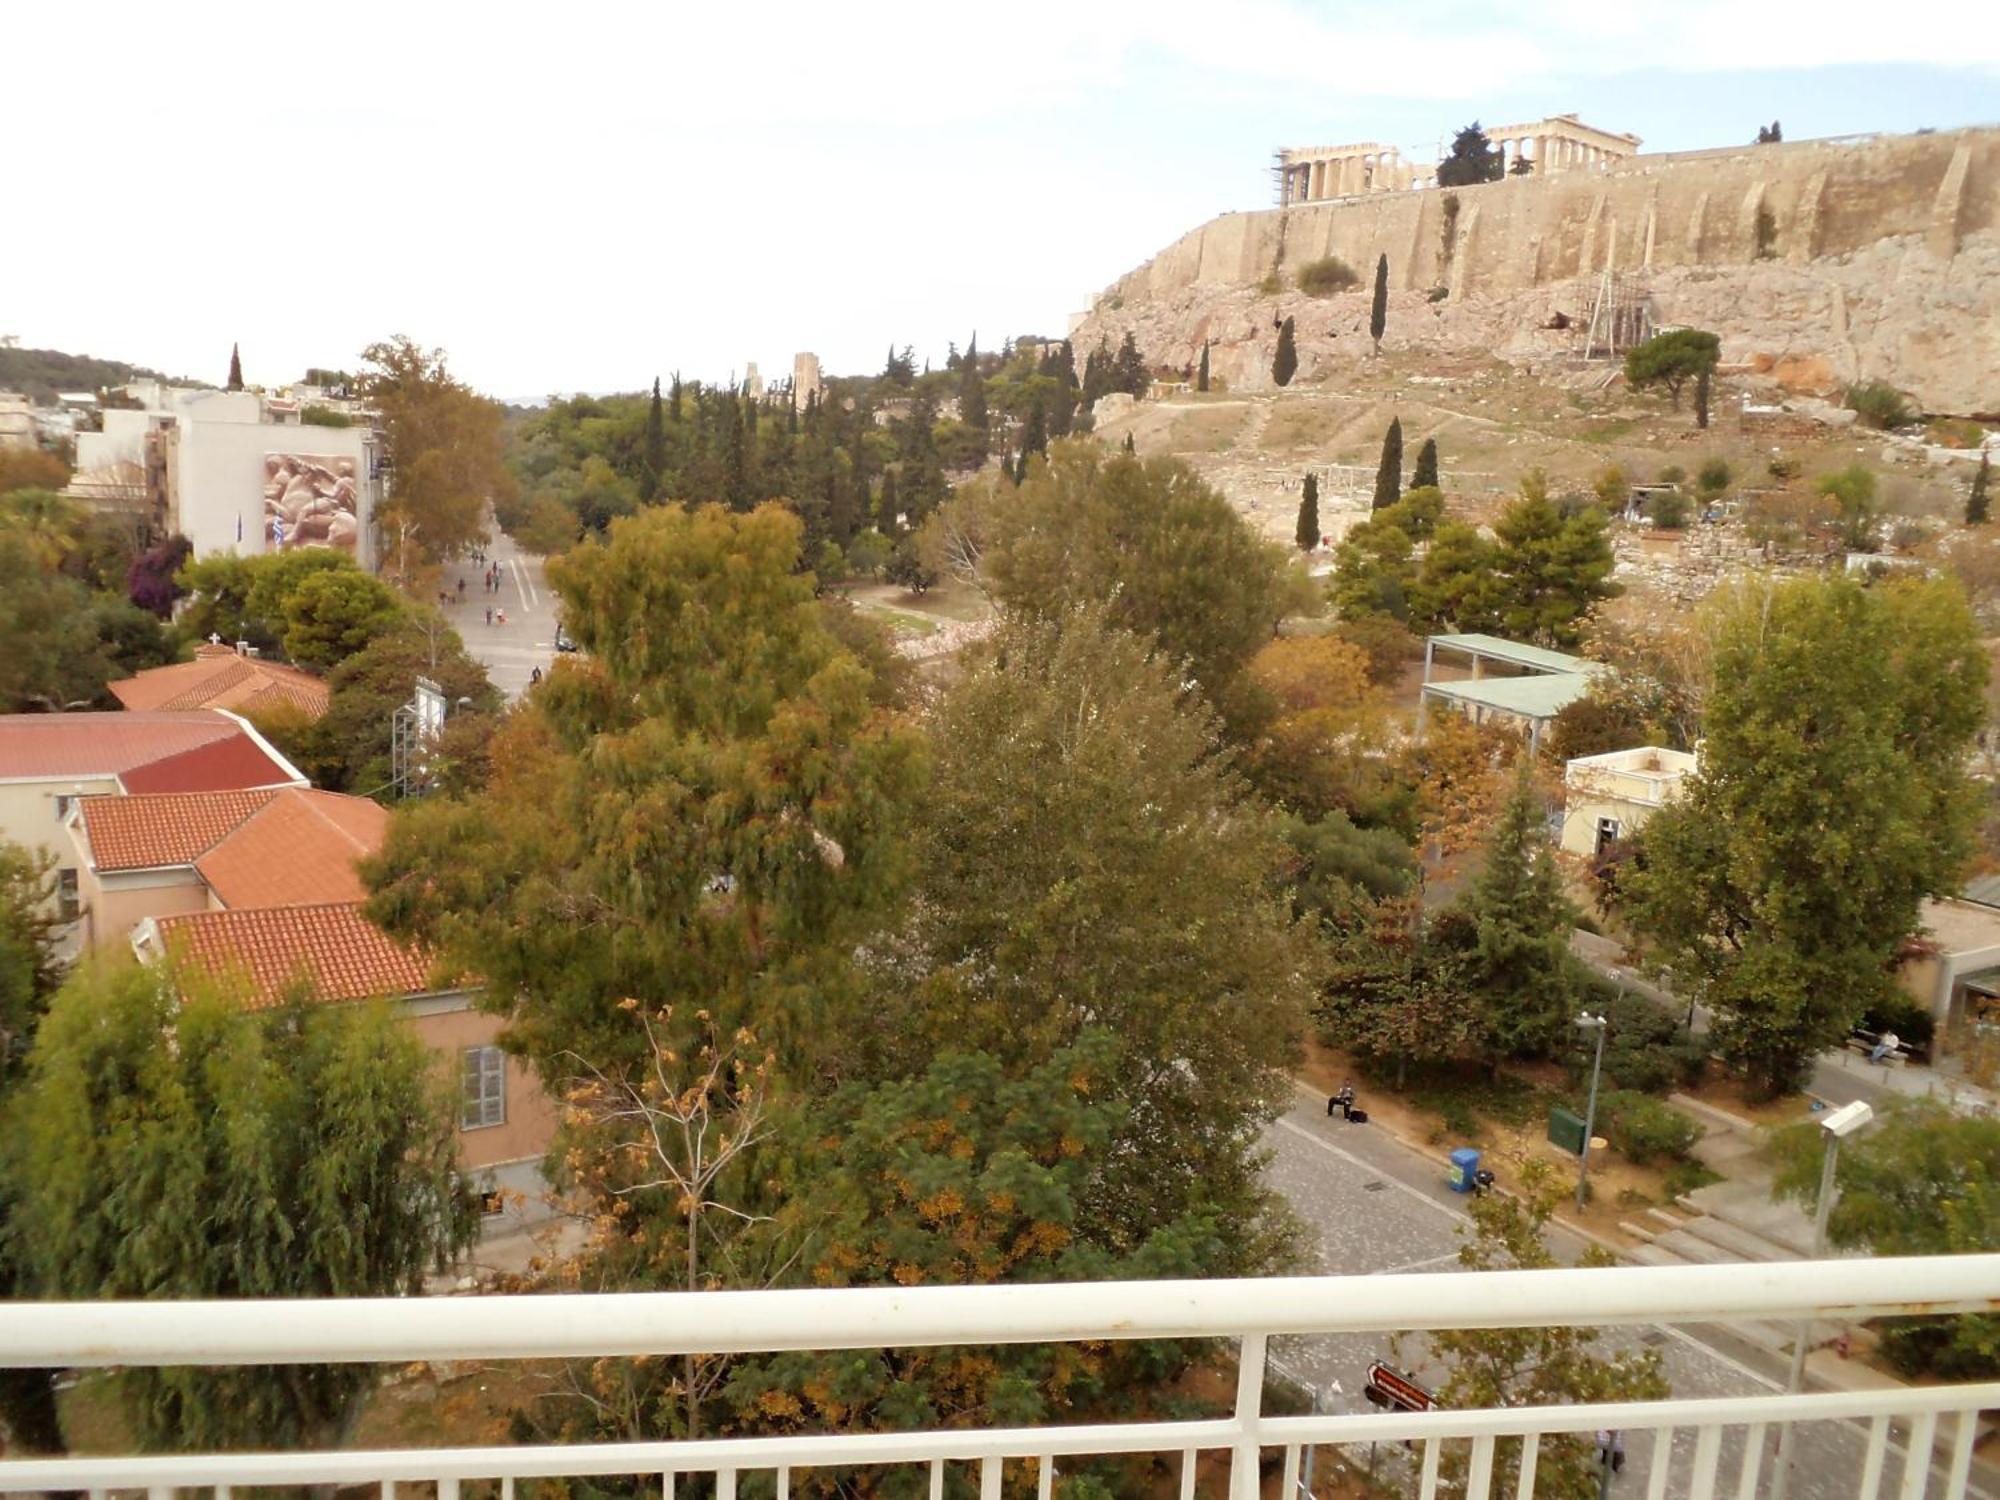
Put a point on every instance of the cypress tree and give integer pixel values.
(235, 369)
(674, 398)
(1201, 376)
(1378, 311)
(1976, 503)
(1035, 438)
(653, 463)
(1701, 395)
(1131, 376)
(1285, 363)
(972, 388)
(1130, 446)
(1389, 475)
(1426, 475)
(886, 522)
(1097, 374)
(1308, 532)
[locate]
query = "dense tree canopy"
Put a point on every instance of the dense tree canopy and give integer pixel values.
(1832, 797)
(446, 443)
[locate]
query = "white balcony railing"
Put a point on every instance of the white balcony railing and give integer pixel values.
(1920, 1439)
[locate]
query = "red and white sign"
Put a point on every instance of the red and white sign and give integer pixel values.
(1399, 1388)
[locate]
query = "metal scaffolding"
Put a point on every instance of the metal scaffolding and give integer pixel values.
(1621, 315)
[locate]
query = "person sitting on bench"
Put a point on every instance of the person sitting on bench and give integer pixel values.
(1345, 1099)
(1885, 1044)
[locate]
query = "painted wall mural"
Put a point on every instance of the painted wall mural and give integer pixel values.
(311, 500)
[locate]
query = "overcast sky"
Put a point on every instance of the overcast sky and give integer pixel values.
(576, 196)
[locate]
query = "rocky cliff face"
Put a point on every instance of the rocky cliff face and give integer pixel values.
(1817, 264)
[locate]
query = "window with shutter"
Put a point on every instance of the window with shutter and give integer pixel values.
(483, 1088)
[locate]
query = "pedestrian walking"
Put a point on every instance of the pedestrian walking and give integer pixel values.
(461, 591)
(489, 614)
(501, 616)
(535, 678)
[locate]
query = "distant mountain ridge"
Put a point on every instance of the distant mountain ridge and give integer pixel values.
(42, 374)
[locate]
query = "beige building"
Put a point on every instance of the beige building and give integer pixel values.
(48, 762)
(1609, 797)
(1952, 966)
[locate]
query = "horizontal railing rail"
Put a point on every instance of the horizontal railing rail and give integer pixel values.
(1934, 1425)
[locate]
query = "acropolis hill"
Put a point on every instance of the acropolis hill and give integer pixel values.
(1818, 262)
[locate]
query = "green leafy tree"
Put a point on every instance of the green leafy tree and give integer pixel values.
(1373, 571)
(446, 442)
(1395, 994)
(1378, 309)
(1075, 780)
(1518, 922)
(55, 657)
(1977, 506)
(1417, 515)
(316, 1138)
(1832, 798)
(968, 1173)
(652, 473)
(1307, 532)
(1201, 374)
(1389, 471)
(1285, 361)
(50, 524)
(1672, 359)
(1425, 475)
(1456, 588)
(31, 968)
(1551, 571)
(711, 783)
(1150, 541)
(1472, 159)
(1924, 1181)
(1510, 1367)
(334, 614)
(1852, 490)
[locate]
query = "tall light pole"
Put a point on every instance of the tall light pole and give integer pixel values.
(1585, 1021)
(1835, 1126)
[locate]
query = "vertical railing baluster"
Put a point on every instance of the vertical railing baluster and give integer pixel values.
(1873, 1460)
(1753, 1461)
(1917, 1461)
(447, 1489)
(666, 1484)
(937, 1479)
(506, 1487)
(1479, 1474)
(1249, 1417)
(221, 1492)
(725, 1484)
(1531, 1452)
(1427, 1486)
(1960, 1473)
(1707, 1455)
(989, 1479)
(1045, 1481)
(1663, 1463)
(1187, 1473)
(784, 1482)
(1288, 1487)
(388, 1491)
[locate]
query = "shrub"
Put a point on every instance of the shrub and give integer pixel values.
(1643, 1129)
(1782, 468)
(1669, 509)
(1389, 646)
(1712, 478)
(1955, 432)
(324, 416)
(1271, 285)
(1880, 405)
(1437, 294)
(1672, 474)
(1683, 1177)
(1646, 1049)
(1325, 276)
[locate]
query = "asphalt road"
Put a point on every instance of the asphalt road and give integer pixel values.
(511, 651)
(1373, 1205)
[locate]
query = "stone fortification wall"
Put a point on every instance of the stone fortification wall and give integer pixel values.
(1829, 261)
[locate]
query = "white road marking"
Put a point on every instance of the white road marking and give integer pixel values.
(1450, 1257)
(530, 599)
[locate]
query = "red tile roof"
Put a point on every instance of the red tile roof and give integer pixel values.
(219, 678)
(219, 765)
(331, 946)
(177, 828)
(103, 744)
(260, 848)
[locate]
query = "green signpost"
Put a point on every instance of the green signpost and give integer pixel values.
(1566, 1131)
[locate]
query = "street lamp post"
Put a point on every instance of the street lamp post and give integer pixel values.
(1585, 1021)
(1835, 1126)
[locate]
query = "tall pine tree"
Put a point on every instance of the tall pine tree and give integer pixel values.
(1389, 473)
(1308, 532)
(972, 388)
(1976, 503)
(1426, 474)
(1285, 362)
(235, 368)
(1378, 310)
(653, 463)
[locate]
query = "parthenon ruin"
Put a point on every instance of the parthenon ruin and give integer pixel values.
(1560, 143)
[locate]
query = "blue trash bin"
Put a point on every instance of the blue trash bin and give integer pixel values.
(1464, 1172)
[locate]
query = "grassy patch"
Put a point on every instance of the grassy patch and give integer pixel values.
(1609, 431)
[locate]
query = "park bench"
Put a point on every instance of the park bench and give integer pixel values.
(1863, 1042)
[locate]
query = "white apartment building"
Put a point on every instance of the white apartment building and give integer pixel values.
(238, 471)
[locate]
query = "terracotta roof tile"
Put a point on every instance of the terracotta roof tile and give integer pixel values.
(103, 744)
(219, 678)
(146, 832)
(299, 848)
(332, 946)
(219, 765)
